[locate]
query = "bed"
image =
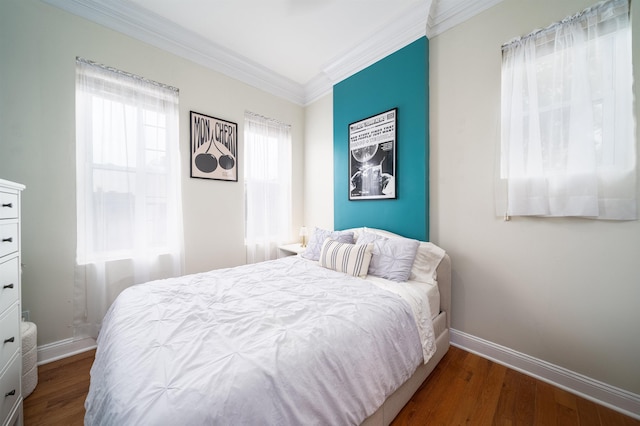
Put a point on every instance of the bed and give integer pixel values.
(331, 336)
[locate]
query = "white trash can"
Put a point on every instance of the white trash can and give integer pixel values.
(29, 357)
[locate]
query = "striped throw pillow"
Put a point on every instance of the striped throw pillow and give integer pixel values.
(348, 258)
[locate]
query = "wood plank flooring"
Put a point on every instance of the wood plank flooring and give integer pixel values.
(467, 389)
(463, 389)
(58, 398)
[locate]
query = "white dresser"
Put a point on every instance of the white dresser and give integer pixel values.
(10, 356)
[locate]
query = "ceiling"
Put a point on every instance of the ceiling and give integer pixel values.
(296, 49)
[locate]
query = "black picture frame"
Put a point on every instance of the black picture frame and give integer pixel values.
(372, 157)
(214, 147)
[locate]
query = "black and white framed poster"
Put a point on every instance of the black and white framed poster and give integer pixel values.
(214, 148)
(372, 157)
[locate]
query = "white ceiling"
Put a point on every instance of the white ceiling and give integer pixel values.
(294, 38)
(296, 49)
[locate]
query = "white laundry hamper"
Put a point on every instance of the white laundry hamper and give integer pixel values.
(29, 357)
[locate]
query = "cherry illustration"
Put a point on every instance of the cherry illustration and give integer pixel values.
(225, 160)
(206, 162)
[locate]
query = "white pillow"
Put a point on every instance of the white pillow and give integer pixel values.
(426, 262)
(317, 238)
(348, 258)
(382, 232)
(392, 258)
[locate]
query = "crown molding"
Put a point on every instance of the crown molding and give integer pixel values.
(446, 14)
(143, 25)
(140, 24)
(316, 88)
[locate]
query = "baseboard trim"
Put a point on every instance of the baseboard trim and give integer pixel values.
(63, 349)
(617, 399)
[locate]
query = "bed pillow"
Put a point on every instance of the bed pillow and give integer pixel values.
(427, 259)
(426, 262)
(317, 238)
(351, 259)
(381, 232)
(392, 258)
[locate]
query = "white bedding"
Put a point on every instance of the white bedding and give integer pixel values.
(420, 296)
(254, 345)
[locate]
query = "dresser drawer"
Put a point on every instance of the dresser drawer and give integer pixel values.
(9, 335)
(8, 205)
(9, 282)
(10, 388)
(8, 238)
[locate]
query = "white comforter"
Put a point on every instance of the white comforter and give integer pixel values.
(253, 345)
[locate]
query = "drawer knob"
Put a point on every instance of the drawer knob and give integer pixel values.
(8, 205)
(7, 286)
(7, 240)
(10, 340)
(10, 393)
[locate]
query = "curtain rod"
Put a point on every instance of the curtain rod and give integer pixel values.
(273, 120)
(127, 74)
(570, 19)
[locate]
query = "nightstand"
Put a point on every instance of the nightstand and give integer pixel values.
(290, 249)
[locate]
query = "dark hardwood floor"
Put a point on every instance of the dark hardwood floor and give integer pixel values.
(463, 389)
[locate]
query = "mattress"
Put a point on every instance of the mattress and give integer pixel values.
(430, 291)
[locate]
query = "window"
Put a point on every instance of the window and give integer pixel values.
(267, 175)
(129, 220)
(568, 133)
(127, 165)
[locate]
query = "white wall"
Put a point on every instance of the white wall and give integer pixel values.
(38, 47)
(565, 291)
(318, 164)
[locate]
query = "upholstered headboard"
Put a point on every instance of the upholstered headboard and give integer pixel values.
(444, 286)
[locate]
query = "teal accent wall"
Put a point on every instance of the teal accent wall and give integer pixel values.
(399, 80)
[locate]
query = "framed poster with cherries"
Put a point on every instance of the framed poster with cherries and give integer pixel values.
(214, 148)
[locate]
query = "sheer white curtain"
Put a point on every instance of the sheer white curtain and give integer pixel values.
(129, 212)
(568, 126)
(267, 177)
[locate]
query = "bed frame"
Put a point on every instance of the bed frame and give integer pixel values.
(441, 324)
